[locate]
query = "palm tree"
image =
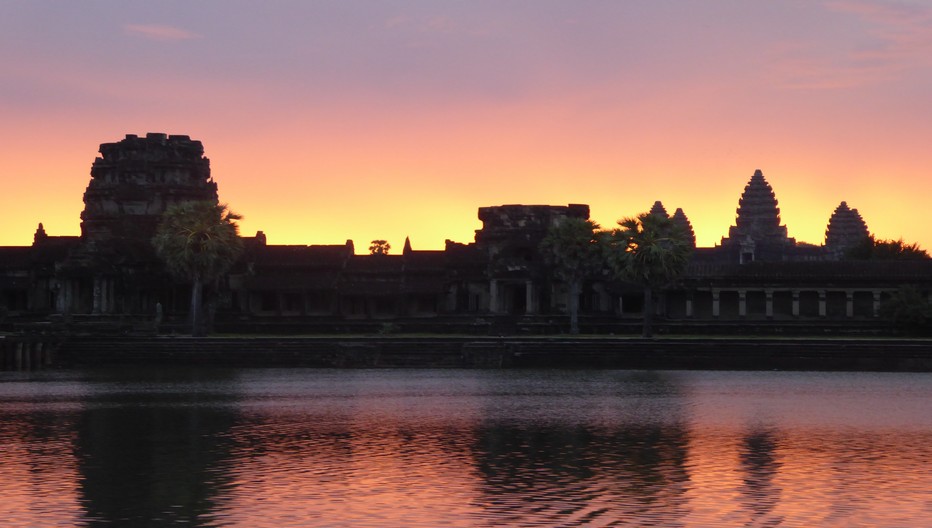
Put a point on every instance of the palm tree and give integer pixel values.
(572, 248)
(651, 251)
(198, 241)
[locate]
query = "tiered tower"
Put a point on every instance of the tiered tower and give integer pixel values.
(845, 230)
(659, 210)
(679, 219)
(135, 179)
(757, 233)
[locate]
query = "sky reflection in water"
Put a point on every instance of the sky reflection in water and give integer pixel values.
(465, 448)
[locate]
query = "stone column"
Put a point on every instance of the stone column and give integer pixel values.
(876, 303)
(97, 296)
(493, 296)
(452, 294)
(821, 303)
(849, 303)
(621, 305)
(529, 298)
(769, 303)
(716, 302)
(742, 303)
(106, 305)
(103, 295)
(66, 296)
(60, 297)
(795, 303)
(689, 304)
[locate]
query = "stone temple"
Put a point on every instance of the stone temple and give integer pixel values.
(758, 279)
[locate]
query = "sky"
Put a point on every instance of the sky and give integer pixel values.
(333, 120)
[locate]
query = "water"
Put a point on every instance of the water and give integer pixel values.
(464, 448)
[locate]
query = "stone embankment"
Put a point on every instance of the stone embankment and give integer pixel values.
(502, 352)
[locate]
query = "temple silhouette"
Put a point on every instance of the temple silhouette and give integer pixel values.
(758, 279)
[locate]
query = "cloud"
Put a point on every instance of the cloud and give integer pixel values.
(894, 38)
(156, 32)
(902, 31)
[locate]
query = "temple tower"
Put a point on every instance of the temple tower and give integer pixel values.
(845, 230)
(659, 210)
(679, 219)
(135, 179)
(757, 233)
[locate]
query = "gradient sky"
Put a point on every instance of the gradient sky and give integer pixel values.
(333, 120)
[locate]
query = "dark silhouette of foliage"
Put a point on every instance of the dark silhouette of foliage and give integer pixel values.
(909, 310)
(198, 241)
(873, 249)
(573, 251)
(379, 247)
(651, 251)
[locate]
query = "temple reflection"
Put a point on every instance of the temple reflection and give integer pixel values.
(150, 450)
(39, 471)
(464, 448)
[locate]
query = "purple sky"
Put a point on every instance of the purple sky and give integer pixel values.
(334, 120)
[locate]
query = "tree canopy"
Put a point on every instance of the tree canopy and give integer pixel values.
(651, 251)
(198, 241)
(872, 248)
(379, 247)
(573, 251)
(909, 310)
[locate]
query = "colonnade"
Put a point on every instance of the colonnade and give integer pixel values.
(785, 302)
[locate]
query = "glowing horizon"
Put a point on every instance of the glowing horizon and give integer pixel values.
(329, 122)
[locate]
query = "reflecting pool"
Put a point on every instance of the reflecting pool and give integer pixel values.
(303, 447)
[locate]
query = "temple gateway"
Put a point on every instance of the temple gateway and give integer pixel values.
(757, 280)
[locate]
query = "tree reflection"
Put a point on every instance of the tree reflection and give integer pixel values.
(153, 455)
(760, 466)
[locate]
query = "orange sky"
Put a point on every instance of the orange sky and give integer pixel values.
(330, 121)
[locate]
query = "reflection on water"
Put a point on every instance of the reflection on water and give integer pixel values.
(758, 459)
(464, 448)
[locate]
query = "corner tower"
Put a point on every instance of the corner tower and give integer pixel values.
(135, 179)
(845, 230)
(679, 218)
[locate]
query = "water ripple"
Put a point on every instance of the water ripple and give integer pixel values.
(454, 448)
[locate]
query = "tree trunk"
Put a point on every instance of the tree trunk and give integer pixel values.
(648, 311)
(573, 306)
(197, 290)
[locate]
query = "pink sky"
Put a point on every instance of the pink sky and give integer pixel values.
(333, 120)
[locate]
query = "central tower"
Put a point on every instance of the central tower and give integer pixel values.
(757, 233)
